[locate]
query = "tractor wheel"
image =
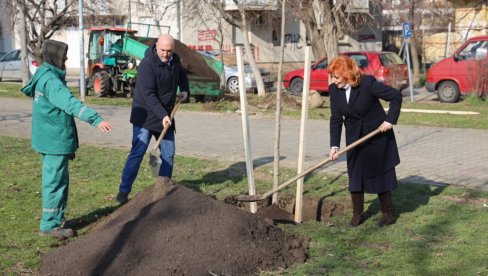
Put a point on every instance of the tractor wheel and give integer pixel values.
(101, 84)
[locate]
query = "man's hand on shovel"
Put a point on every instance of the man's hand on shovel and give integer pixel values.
(166, 122)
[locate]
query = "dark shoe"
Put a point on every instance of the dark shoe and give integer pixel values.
(58, 233)
(122, 197)
(71, 224)
(386, 219)
(386, 207)
(357, 209)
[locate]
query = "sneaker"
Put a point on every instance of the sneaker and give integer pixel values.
(59, 233)
(122, 197)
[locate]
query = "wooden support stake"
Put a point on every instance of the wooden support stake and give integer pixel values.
(303, 127)
(245, 128)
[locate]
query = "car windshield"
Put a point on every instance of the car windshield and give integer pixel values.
(390, 59)
(361, 60)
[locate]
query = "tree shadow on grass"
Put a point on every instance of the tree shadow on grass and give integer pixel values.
(235, 173)
(88, 219)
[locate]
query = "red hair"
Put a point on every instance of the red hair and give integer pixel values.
(346, 68)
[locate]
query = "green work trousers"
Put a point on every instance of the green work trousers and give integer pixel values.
(55, 183)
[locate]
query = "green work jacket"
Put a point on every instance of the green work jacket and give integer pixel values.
(53, 111)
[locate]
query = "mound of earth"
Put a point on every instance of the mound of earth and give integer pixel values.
(172, 230)
(192, 62)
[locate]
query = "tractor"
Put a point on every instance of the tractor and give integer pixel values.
(109, 70)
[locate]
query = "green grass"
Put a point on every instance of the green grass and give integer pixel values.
(440, 230)
(265, 106)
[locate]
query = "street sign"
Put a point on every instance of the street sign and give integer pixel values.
(407, 30)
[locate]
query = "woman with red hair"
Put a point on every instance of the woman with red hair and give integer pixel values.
(355, 103)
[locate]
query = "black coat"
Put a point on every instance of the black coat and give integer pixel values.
(360, 116)
(155, 92)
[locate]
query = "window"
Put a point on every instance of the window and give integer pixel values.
(323, 64)
(14, 55)
(474, 50)
(361, 60)
(390, 59)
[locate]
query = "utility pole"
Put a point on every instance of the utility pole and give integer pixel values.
(82, 52)
(24, 52)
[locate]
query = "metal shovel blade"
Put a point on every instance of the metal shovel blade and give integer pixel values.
(155, 163)
(249, 198)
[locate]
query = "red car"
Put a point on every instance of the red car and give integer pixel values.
(464, 72)
(386, 67)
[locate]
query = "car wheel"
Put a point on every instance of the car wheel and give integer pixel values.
(233, 85)
(101, 84)
(448, 92)
(296, 85)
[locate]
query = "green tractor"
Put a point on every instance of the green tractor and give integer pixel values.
(109, 70)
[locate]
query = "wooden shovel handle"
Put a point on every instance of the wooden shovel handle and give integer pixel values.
(250, 198)
(165, 129)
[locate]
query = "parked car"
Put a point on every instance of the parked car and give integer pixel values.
(231, 80)
(464, 72)
(11, 66)
(386, 67)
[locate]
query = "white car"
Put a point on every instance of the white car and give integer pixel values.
(231, 80)
(11, 66)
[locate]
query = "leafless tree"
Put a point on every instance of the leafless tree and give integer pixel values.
(240, 18)
(327, 21)
(158, 9)
(44, 18)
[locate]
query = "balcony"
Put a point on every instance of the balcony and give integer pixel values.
(259, 5)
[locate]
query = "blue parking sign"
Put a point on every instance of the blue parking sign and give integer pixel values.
(407, 29)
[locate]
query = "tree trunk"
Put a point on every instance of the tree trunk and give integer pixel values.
(316, 37)
(330, 31)
(24, 52)
(276, 163)
(415, 59)
(249, 54)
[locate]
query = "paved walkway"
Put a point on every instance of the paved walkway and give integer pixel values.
(429, 155)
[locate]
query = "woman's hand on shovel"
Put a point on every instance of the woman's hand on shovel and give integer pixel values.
(333, 153)
(385, 126)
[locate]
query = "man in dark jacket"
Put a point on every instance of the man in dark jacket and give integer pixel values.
(159, 75)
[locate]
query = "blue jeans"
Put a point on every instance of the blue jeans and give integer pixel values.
(140, 141)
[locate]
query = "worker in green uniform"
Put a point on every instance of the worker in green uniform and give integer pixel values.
(54, 133)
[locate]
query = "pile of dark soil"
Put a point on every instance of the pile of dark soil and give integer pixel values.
(191, 61)
(172, 230)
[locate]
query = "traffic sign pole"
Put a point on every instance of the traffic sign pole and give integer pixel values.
(407, 33)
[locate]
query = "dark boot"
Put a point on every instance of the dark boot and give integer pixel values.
(357, 208)
(386, 206)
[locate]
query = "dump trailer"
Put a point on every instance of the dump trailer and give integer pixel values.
(203, 72)
(113, 55)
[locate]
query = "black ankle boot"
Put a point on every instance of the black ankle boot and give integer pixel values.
(357, 209)
(386, 206)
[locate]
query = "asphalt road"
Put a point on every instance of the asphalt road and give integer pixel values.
(429, 155)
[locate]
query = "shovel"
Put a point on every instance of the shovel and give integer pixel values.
(253, 198)
(154, 156)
